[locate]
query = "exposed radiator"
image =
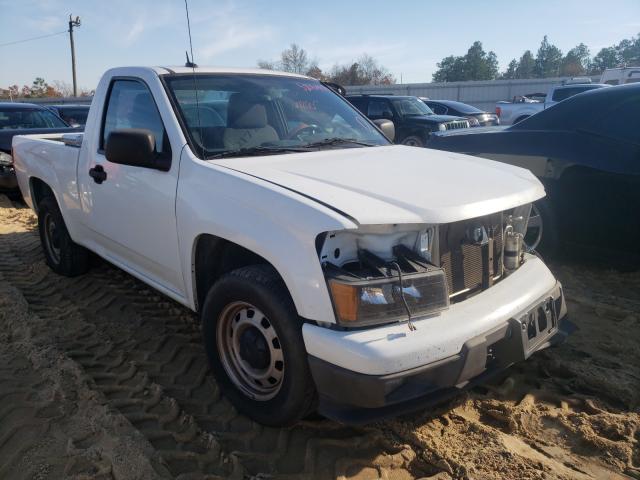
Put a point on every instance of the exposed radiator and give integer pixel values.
(471, 253)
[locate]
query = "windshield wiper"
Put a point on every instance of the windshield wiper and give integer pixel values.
(265, 150)
(338, 141)
(254, 151)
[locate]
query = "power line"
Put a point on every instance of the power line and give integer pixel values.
(32, 38)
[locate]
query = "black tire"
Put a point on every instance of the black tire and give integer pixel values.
(63, 255)
(260, 286)
(550, 242)
(413, 141)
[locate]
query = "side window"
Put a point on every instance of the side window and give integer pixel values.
(564, 93)
(634, 77)
(439, 109)
(379, 108)
(359, 102)
(130, 105)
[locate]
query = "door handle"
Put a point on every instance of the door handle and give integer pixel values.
(98, 174)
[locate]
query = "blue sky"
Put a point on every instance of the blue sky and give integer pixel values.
(408, 37)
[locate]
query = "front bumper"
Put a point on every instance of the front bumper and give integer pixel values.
(512, 332)
(354, 398)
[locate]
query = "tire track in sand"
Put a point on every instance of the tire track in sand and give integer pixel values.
(52, 423)
(144, 353)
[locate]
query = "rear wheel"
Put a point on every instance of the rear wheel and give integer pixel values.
(253, 338)
(62, 254)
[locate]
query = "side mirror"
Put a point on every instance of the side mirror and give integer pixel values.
(135, 147)
(387, 128)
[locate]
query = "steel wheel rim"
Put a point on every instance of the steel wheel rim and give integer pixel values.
(411, 143)
(52, 238)
(535, 227)
(255, 367)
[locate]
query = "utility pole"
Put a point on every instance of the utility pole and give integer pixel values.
(73, 23)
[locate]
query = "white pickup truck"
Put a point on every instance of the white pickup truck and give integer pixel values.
(332, 270)
(524, 106)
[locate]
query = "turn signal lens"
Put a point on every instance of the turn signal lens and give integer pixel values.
(345, 299)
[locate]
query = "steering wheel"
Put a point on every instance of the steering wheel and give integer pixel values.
(308, 129)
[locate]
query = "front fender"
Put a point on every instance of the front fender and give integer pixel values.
(270, 221)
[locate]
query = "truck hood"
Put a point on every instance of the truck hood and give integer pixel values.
(395, 183)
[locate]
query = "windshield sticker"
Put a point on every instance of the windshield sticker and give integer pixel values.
(310, 87)
(305, 106)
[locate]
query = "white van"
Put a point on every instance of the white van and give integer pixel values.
(620, 76)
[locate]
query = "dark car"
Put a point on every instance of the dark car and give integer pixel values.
(476, 117)
(413, 120)
(74, 115)
(23, 119)
(586, 151)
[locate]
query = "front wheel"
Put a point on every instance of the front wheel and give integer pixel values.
(253, 338)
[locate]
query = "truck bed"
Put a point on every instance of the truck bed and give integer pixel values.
(51, 157)
(6, 136)
(512, 111)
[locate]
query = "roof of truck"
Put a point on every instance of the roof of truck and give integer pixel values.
(182, 70)
(255, 71)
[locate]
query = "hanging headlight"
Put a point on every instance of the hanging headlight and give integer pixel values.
(379, 300)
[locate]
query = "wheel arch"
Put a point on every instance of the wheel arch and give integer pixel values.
(213, 256)
(39, 189)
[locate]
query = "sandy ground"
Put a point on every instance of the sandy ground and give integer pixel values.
(101, 377)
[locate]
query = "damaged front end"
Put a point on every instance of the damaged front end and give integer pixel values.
(394, 273)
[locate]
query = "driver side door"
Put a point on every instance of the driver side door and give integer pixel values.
(130, 210)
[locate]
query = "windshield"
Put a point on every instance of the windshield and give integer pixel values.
(242, 112)
(13, 118)
(411, 106)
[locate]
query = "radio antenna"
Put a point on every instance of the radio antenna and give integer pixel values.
(191, 64)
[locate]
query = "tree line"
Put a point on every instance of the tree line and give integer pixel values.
(365, 70)
(39, 88)
(549, 61)
(476, 64)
